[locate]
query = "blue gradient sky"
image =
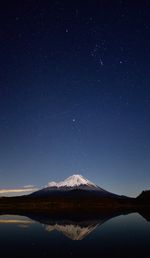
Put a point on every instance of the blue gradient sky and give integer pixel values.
(75, 94)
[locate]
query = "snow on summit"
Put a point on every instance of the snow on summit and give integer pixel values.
(75, 180)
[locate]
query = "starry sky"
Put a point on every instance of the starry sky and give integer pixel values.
(75, 93)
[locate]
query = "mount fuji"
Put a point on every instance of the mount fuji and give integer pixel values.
(75, 194)
(73, 186)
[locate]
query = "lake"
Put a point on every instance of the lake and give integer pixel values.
(120, 236)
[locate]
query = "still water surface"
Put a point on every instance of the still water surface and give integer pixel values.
(121, 236)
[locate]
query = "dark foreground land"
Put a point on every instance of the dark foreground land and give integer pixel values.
(75, 203)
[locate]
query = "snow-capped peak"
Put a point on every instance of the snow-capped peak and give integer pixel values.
(74, 180)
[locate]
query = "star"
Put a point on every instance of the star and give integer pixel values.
(17, 18)
(101, 62)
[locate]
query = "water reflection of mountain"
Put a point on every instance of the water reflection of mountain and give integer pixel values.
(73, 231)
(73, 226)
(79, 229)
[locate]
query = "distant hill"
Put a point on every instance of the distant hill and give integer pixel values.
(144, 197)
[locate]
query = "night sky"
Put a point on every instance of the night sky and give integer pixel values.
(75, 93)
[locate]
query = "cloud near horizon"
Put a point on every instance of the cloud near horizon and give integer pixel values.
(29, 186)
(25, 189)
